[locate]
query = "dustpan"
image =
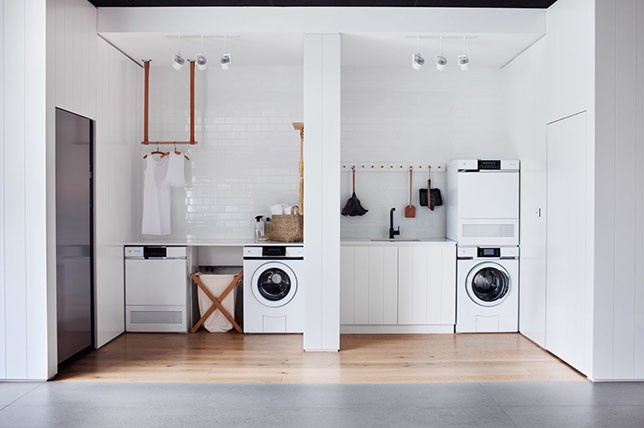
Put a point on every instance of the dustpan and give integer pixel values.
(353, 207)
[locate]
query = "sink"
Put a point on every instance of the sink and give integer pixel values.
(395, 240)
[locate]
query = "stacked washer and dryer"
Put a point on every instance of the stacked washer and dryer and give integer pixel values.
(483, 218)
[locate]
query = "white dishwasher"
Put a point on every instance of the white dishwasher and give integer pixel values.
(157, 289)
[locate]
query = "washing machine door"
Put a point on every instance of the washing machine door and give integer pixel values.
(488, 284)
(274, 284)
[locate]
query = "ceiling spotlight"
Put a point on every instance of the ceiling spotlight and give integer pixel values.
(178, 62)
(200, 59)
(441, 61)
(464, 60)
(225, 61)
(417, 60)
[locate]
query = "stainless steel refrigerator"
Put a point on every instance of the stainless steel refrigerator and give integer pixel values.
(74, 234)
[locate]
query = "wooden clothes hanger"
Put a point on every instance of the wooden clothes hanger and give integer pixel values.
(157, 152)
(177, 152)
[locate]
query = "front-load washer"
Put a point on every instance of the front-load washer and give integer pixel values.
(482, 202)
(273, 293)
(487, 295)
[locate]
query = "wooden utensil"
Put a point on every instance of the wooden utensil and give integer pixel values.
(430, 200)
(410, 210)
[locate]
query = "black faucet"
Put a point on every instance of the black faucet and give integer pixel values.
(392, 232)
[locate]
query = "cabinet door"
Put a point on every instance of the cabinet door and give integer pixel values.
(427, 285)
(369, 285)
(347, 285)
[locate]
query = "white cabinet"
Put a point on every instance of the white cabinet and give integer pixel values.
(427, 285)
(392, 288)
(369, 285)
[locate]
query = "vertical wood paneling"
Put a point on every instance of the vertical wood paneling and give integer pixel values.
(434, 302)
(639, 228)
(346, 284)
(322, 175)
(569, 276)
(605, 219)
(376, 285)
(419, 285)
(405, 279)
(361, 287)
(14, 168)
(330, 224)
(390, 289)
(448, 281)
(36, 192)
(313, 179)
(3, 330)
(626, 167)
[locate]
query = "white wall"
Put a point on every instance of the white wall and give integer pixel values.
(525, 87)
(428, 117)
(119, 119)
(618, 347)
(248, 153)
(23, 305)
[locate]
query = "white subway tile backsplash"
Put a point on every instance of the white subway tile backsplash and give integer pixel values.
(247, 156)
(400, 115)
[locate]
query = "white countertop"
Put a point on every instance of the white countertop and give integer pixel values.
(398, 242)
(211, 243)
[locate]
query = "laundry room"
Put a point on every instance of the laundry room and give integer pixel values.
(242, 115)
(313, 196)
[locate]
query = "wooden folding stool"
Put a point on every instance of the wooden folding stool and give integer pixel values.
(217, 301)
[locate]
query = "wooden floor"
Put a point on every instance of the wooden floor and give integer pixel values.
(229, 357)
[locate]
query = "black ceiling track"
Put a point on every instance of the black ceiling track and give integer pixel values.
(523, 4)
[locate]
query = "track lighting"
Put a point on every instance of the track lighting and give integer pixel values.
(178, 62)
(441, 60)
(464, 60)
(417, 60)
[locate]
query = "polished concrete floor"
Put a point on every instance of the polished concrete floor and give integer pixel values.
(158, 405)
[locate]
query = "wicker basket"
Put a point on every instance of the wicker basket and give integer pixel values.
(289, 227)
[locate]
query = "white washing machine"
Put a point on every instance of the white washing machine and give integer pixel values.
(273, 295)
(482, 202)
(487, 296)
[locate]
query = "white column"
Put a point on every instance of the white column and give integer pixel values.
(321, 284)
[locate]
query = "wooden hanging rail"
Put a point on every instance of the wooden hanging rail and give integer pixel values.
(299, 126)
(146, 110)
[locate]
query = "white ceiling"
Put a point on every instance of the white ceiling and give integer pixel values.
(365, 49)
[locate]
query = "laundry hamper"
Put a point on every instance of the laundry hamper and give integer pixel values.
(216, 284)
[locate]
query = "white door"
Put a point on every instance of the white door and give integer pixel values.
(569, 247)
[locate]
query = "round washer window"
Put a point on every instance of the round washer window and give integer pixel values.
(274, 284)
(488, 285)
